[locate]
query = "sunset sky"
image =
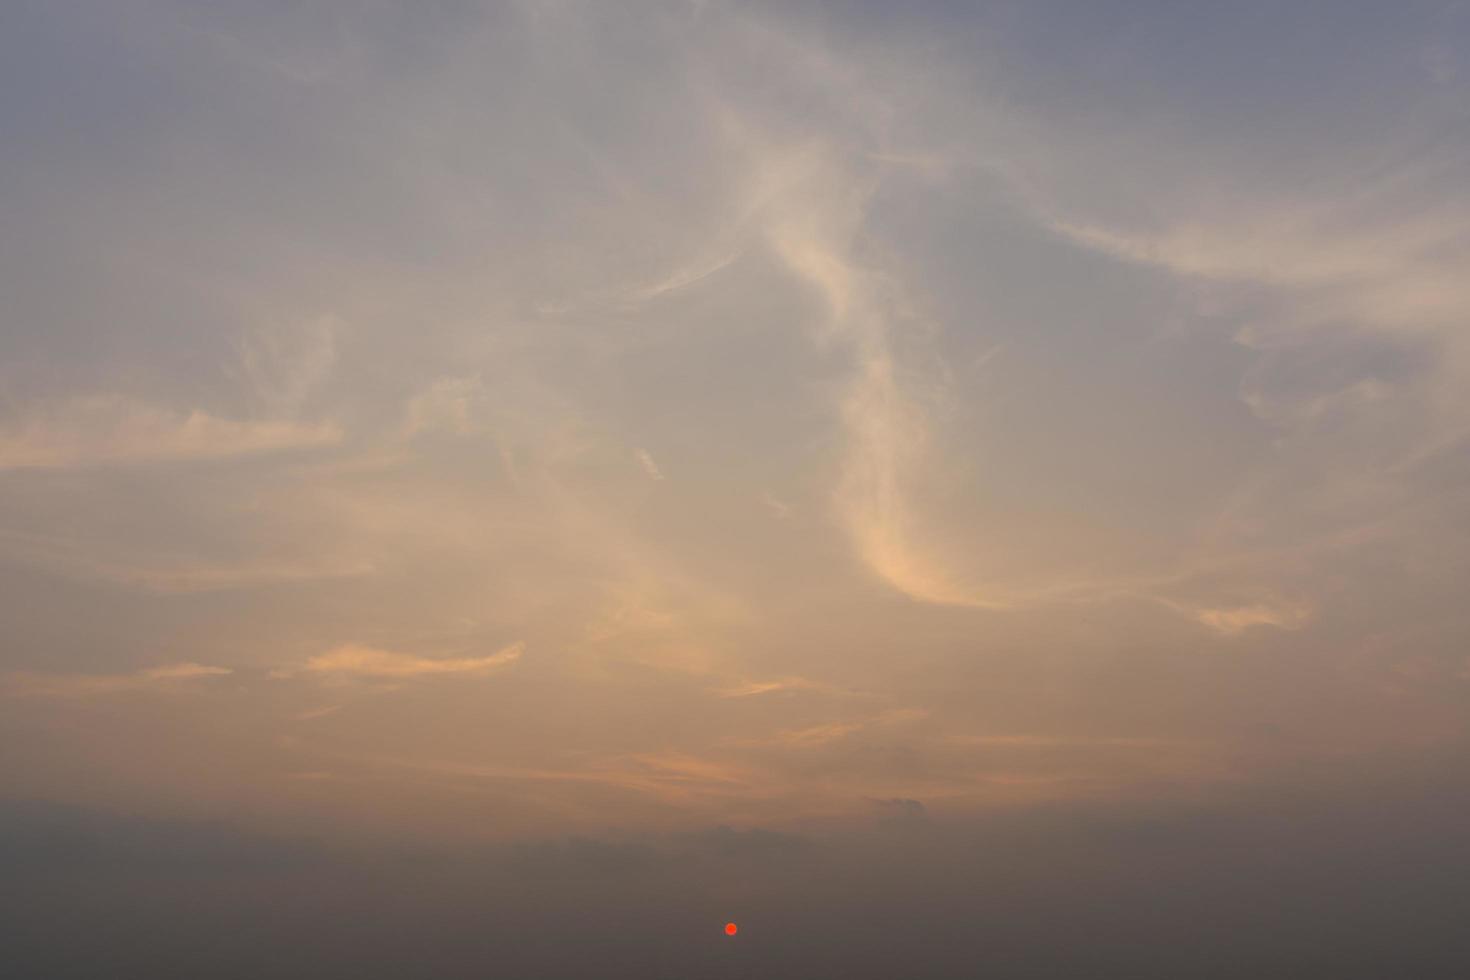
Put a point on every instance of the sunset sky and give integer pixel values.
(511, 468)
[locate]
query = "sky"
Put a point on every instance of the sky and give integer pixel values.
(957, 488)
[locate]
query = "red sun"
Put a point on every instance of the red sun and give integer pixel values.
(731, 929)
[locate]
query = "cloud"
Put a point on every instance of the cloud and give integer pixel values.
(182, 671)
(760, 247)
(815, 212)
(779, 685)
(103, 430)
(779, 507)
(352, 660)
(1399, 273)
(827, 733)
(166, 677)
(1237, 619)
(284, 364)
(684, 278)
(816, 734)
(453, 405)
(649, 466)
(1379, 262)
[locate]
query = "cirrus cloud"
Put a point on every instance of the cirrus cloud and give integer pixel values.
(353, 660)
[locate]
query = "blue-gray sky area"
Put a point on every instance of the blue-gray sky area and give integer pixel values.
(959, 488)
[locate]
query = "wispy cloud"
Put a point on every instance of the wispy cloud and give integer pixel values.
(778, 507)
(452, 404)
(1239, 618)
(684, 277)
(815, 734)
(828, 732)
(285, 363)
(749, 689)
(165, 677)
(649, 466)
(355, 661)
(790, 355)
(113, 430)
(816, 211)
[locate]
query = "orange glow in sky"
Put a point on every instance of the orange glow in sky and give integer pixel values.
(731, 929)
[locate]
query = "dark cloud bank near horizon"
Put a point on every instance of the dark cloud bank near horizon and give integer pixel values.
(1352, 877)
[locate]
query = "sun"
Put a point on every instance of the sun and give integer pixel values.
(731, 928)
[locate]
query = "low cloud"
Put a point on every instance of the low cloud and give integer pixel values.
(352, 660)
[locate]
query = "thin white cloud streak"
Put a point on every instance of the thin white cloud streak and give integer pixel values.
(1378, 259)
(649, 466)
(1374, 269)
(684, 278)
(104, 430)
(751, 689)
(785, 686)
(781, 509)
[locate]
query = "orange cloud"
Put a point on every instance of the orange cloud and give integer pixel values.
(352, 660)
